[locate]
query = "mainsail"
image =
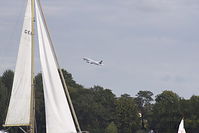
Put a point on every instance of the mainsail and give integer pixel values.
(20, 102)
(181, 127)
(58, 114)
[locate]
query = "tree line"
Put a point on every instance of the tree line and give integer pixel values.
(99, 110)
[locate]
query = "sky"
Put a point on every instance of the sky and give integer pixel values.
(145, 44)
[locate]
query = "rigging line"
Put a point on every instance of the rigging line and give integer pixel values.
(22, 129)
(7, 129)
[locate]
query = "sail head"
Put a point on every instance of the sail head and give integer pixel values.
(181, 128)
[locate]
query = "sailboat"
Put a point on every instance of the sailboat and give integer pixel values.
(181, 128)
(60, 114)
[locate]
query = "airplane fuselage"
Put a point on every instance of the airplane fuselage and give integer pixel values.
(90, 61)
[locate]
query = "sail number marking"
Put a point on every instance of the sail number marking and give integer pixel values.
(28, 32)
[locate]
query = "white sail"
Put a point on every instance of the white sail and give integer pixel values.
(58, 114)
(181, 128)
(19, 106)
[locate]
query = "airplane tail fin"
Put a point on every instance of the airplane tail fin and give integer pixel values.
(100, 62)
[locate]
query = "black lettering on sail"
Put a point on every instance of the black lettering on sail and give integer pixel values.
(28, 32)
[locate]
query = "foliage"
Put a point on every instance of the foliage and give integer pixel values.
(39, 104)
(5, 90)
(95, 108)
(191, 114)
(100, 111)
(166, 113)
(127, 118)
(7, 79)
(69, 80)
(2, 102)
(112, 128)
(143, 100)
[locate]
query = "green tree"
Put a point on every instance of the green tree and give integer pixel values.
(39, 104)
(111, 128)
(127, 117)
(7, 79)
(143, 100)
(166, 113)
(3, 102)
(5, 91)
(94, 107)
(191, 114)
(69, 80)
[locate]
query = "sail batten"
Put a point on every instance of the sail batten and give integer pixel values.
(19, 106)
(58, 115)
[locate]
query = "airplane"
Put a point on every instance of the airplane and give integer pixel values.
(98, 63)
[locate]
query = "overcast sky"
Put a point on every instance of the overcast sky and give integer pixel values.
(145, 44)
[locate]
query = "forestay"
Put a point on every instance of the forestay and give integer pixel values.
(58, 114)
(19, 106)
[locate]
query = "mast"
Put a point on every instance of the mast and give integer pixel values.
(32, 104)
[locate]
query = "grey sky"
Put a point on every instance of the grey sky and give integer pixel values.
(145, 44)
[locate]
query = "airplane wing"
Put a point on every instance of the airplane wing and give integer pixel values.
(86, 59)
